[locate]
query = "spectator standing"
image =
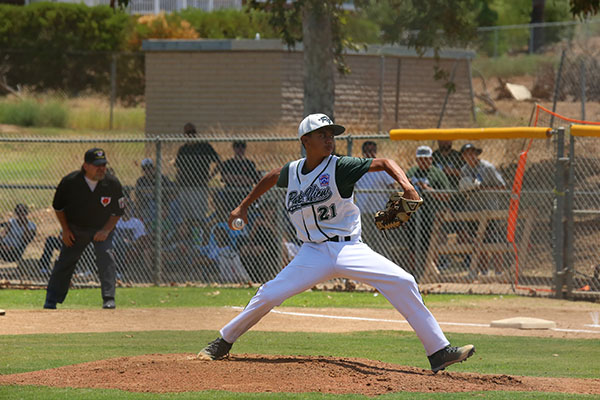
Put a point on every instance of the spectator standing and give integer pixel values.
(19, 232)
(145, 191)
(478, 178)
(88, 204)
(428, 180)
(372, 192)
(193, 165)
(238, 174)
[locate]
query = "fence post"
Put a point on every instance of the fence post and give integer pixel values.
(583, 89)
(472, 93)
(113, 88)
(557, 86)
(496, 43)
(349, 144)
(158, 192)
(531, 39)
(570, 226)
(559, 211)
(381, 78)
(399, 65)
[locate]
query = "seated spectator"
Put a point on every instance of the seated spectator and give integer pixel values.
(51, 244)
(129, 228)
(261, 250)
(127, 231)
(222, 251)
(18, 233)
(449, 161)
(142, 253)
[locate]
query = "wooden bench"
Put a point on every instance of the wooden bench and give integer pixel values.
(476, 248)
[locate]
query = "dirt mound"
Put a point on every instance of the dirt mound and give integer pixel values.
(163, 373)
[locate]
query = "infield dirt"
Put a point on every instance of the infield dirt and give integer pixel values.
(298, 374)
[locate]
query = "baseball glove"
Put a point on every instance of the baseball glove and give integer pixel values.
(397, 211)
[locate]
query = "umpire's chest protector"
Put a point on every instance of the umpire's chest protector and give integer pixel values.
(315, 206)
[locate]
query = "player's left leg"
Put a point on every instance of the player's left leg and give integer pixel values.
(107, 270)
(357, 261)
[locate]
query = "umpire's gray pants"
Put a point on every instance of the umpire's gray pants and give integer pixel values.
(60, 278)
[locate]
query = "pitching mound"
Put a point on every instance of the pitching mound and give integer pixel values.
(163, 373)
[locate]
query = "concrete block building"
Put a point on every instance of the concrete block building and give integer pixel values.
(255, 86)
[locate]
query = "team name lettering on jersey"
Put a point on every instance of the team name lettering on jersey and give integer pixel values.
(312, 195)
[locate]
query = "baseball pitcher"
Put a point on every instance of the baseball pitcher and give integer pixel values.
(320, 204)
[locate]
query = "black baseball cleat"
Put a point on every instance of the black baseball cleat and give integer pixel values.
(215, 350)
(48, 305)
(109, 304)
(450, 355)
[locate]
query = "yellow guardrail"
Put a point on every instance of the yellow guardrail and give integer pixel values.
(585, 130)
(471, 133)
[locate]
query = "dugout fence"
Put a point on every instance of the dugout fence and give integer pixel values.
(459, 244)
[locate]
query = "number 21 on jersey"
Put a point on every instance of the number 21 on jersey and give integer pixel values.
(326, 213)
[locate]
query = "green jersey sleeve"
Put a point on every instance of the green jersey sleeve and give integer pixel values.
(348, 170)
(282, 181)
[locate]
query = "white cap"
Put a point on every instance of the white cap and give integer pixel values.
(316, 121)
(147, 162)
(424, 151)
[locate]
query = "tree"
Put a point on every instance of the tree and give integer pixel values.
(537, 16)
(121, 4)
(583, 8)
(319, 25)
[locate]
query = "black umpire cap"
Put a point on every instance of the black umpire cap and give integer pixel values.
(95, 156)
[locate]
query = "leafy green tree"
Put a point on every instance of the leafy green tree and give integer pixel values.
(583, 8)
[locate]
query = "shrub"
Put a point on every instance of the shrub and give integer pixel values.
(160, 26)
(53, 113)
(229, 23)
(31, 112)
(60, 46)
(22, 112)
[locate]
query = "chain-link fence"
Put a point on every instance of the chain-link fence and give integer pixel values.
(538, 38)
(180, 196)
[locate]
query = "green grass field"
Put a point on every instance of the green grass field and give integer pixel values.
(528, 356)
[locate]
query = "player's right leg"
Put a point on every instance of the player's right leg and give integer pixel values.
(60, 277)
(312, 265)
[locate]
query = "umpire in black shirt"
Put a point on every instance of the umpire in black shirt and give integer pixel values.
(88, 203)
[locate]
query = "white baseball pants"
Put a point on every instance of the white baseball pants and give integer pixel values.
(319, 262)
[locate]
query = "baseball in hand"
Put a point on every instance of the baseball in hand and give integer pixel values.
(237, 224)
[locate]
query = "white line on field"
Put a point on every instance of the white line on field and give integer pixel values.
(402, 322)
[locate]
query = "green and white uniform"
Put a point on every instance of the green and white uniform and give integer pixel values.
(318, 207)
(322, 210)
